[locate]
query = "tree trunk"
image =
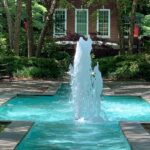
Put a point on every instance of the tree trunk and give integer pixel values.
(9, 23)
(17, 27)
(132, 22)
(120, 27)
(30, 28)
(44, 30)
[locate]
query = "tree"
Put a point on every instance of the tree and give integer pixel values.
(29, 28)
(44, 30)
(144, 7)
(17, 27)
(14, 33)
(120, 25)
(9, 23)
(132, 22)
(50, 5)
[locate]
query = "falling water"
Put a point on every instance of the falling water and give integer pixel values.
(86, 83)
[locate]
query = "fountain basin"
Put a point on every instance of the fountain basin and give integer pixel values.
(56, 128)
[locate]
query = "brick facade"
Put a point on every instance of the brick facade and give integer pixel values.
(92, 18)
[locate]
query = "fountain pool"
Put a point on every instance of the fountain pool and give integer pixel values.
(56, 129)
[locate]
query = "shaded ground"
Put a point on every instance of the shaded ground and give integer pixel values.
(146, 126)
(138, 137)
(136, 88)
(3, 125)
(9, 89)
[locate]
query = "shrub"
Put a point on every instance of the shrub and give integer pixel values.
(146, 23)
(145, 67)
(106, 65)
(23, 73)
(4, 46)
(35, 67)
(125, 67)
(126, 70)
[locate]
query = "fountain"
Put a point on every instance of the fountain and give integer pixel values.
(86, 83)
(98, 122)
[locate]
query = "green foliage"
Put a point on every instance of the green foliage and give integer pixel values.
(3, 44)
(2, 20)
(146, 25)
(88, 3)
(125, 6)
(145, 67)
(65, 4)
(23, 73)
(144, 7)
(53, 50)
(125, 67)
(4, 49)
(126, 70)
(23, 67)
(3, 125)
(38, 12)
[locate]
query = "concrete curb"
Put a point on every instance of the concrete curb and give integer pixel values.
(137, 136)
(12, 135)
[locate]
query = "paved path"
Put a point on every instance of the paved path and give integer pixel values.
(13, 134)
(137, 136)
(37, 87)
(27, 87)
(135, 88)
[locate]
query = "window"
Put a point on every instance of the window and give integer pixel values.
(81, 21)
(103, 23)
(60, 26)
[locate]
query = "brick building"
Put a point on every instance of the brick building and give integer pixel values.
(99, 20)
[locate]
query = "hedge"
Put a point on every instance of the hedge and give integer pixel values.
(35, 67)
(125, 67)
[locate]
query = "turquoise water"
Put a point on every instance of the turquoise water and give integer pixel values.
(56, 129)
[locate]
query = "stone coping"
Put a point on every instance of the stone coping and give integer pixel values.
(53, 91)
(23, 90)
(48, 92)
(137, 136)
(135, 88)
(13, 133)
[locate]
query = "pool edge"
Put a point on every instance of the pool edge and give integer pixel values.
(14, 133)
(138, 138)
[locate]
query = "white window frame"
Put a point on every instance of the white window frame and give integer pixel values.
(54, 33)
(87, 26)
(109, 22)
